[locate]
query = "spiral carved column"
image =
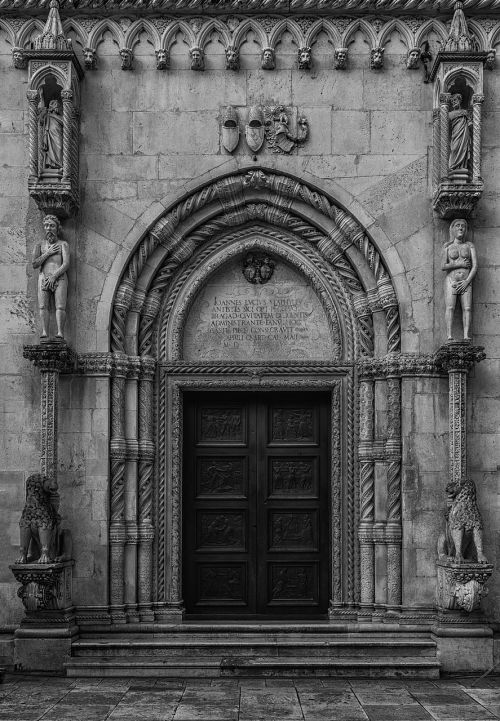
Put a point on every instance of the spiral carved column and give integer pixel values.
(118, 454)
(145, 491)
(366, 491)
(444, 102)
(393, 530)
(477, 101)
(67, 102)
(33, 98)
(436, 137)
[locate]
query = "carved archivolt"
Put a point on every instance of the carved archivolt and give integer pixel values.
(232, 30)
(236, 201)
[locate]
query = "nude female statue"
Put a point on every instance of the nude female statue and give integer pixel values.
(460, 266)
(52, 257)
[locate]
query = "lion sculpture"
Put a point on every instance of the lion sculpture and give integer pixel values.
(42, 540)
(462, 541)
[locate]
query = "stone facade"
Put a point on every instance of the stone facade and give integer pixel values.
(339, 179)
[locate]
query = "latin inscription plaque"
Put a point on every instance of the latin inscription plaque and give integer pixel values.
(232, 319)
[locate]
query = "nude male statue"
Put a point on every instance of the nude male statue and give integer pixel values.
(460, 266)
(52, 257)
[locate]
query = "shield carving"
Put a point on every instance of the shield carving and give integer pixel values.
(254, 131)
(230, 129)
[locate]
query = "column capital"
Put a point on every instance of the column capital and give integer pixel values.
(458, 357)
(477, 98)
(51, 357)
(444, 98)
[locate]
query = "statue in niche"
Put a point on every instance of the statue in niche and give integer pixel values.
(52, 125)
(268, 61)
(460, 137)
(460, 266)
(340, 58)
(377, 58)
(53, 258)
(161, 59)
(412, 58)
(305, 58)
(426, 58)
(19, 58)
(197, 59)
(232, 58)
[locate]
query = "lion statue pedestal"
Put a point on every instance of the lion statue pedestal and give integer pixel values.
(44, 569)
(462, 567)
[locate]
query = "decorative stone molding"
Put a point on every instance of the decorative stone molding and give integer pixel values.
(385, 7)
(54, 75)
(399, 365)
(458, 76)
(458, 357)
(44, 587)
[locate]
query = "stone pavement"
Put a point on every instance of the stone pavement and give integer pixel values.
(59, 699)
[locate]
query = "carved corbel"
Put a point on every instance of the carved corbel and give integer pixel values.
(127, 58)
(54, 76)
(491, 59)
(305, 58)
(19, 59)
(197, 56)
(340, 58)
(90, 58)
(377, 58)
(413, 58)
(232, 58)
(268, 59)
(162, 59)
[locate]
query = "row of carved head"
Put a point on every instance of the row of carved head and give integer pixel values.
(268, 58)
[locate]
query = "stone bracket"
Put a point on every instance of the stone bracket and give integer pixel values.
(44, 586)
(461, 585)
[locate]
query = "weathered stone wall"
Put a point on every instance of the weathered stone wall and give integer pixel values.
(147, 138)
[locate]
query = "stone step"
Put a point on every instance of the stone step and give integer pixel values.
(253, 645)
(241, 667)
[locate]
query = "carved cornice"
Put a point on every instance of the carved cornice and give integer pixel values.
(456, 201)
(458, 357)
(399, 365)
(51, 357)
(71, 7)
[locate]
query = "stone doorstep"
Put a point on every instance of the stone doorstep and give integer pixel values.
(254, 646)
(254, 667)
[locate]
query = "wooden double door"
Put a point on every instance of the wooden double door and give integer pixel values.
(255, 506)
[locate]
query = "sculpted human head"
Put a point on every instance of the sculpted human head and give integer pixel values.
(55, 106)
(90, 58)
(18, 58)
(161, 59)
(377, 58)
(267, 60)
(197, 59)
(412, 58)
(458, 229)
(232, 58)
(456, 101)
(127, 58)
(305, 58)
(51, 225)
(490, 58)
(340, 58)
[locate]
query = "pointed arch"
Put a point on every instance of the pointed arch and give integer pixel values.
(326, 26)
(433, 25)
(134, 31)
(214, 25)
(286, 25)
(366, 30)
(244, 28)
(96, 35)
(76, 27)
(401, 28)
(24, 36)
(9, 31)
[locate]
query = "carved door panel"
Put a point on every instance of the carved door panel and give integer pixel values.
(256, 504)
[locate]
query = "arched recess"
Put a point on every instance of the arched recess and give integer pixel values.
(326, 245)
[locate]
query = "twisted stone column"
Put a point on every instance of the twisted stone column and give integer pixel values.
(118, 454)
(444, 103)
(477, 101)
(436, 152)
(145, 491)
(33, 98)
(366, 490)
(67, 102)
(393, 525)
